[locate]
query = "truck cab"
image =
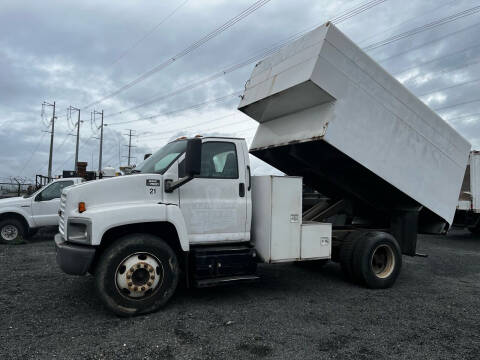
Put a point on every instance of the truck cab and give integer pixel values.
(21, 217)
(190, 196)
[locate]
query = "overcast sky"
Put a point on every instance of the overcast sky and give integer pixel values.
(76, 52)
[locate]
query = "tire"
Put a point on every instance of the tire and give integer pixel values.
(377, 260)
(346, 255)
(474, 230)
(136, 275)
(12, 231)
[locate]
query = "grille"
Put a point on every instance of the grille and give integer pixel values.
(61, 221)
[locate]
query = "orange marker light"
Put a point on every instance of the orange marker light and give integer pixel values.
(81, 207)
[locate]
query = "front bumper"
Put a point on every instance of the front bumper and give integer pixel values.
(73, 259)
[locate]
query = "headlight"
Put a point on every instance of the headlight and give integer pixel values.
(79, 230)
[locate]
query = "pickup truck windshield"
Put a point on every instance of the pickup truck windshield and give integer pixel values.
(160, 161)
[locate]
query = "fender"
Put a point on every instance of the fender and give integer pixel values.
(19, 211)
(113, 215)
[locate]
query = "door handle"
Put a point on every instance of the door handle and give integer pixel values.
(241, 189)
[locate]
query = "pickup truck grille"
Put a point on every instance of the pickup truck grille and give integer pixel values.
(61, 221)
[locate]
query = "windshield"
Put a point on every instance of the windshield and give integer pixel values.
(160, 161)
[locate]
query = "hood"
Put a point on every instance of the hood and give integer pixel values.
(13, 201)
(124, 189)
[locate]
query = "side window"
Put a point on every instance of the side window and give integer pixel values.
(54, 191)
(219, 160)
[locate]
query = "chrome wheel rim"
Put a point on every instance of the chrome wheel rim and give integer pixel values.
(9, 232)
(383, 261)
(139, 275)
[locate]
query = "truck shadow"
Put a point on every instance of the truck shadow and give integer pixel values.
(277, 282)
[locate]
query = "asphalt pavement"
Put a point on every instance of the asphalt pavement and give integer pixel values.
(432, 312)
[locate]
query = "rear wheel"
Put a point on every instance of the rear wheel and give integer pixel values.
(138, 274)
(12, 231)
(377, 260)
(346, 255)
(474, 229)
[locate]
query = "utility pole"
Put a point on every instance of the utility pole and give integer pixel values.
(78, 135)
(130, 134)
(51, 140)
(129, 146)
(101, 140)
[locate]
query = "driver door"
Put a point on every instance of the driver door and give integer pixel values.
(47, 202)
(214, 203)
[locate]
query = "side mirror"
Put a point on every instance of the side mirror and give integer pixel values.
(193, 157)
(193, 165)
(38, 197)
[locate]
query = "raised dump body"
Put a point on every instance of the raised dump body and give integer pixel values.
(332, 115)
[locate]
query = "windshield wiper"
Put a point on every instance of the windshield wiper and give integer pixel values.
(135, 171)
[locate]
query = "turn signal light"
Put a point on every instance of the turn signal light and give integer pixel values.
(81, 207)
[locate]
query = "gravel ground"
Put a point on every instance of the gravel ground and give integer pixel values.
(432, 312)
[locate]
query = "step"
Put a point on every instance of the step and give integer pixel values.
(224, 280)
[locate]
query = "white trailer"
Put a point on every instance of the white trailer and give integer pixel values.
(329, 117)
(467, 214)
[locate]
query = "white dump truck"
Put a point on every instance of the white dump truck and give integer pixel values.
(329, 117)
(21, 217)
(468, 208)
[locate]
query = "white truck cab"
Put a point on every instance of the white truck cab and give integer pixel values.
(21, 217)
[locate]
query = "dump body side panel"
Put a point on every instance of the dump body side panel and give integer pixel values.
(375, 130)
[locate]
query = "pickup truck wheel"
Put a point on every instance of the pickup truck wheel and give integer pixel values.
(377, 260)
(136, 275)
(12, 231)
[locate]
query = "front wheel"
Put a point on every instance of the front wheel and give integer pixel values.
(12, 231)
(138, 274)
(377, 260)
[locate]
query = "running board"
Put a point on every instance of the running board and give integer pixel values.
(224, 280)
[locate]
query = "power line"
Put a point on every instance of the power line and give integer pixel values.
(254, 7)
(382, 32)
(423, 28)
(150, 32)
(355, 11)
(457, 52)
(456, 68)
(206, 130)
(192, 85)
(457, 104)
(463, 116)
(450, 87)
(190, 126)
(192, 107)
(33, 153)
(254, 58)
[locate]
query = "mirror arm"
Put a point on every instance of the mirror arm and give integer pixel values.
(171, 185)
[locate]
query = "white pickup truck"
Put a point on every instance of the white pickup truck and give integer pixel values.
(21, 217)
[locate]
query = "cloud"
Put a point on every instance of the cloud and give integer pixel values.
(66, 52)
